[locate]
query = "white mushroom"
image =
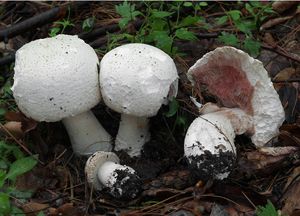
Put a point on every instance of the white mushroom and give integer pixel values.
(57, 79)
(251, 105)
(103, 171)
(135, 80)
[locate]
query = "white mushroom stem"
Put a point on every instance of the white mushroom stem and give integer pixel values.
(86, 134)
(132, 135)
(107, 173)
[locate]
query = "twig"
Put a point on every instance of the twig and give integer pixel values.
(281, 52)
(38, 20)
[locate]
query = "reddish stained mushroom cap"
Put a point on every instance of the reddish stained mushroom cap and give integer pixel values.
(240, 81)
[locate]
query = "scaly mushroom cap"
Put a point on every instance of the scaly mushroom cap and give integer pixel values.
(209, 146)
(94, 163)
(56, 78)
(240, 81)
(135, 79)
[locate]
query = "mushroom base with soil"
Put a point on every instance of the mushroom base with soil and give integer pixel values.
(103, 171)
(209, 146)
(132, 135)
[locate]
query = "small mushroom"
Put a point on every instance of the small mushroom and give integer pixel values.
(136, 79)
(57, 79)
(250, 106)
(104, 171)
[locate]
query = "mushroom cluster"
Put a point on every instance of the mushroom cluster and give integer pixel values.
(250, 105)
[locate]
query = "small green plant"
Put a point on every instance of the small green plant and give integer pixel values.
(61, 26)
(6, 99)
(268, 210)
(162, 24)
(257, 13)
(88, 24)
(180, 121)
(9, 171)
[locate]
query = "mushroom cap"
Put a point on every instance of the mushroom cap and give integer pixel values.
(94, 163)
(56, 78)
(209, 146)
(135, 79)
(240, 81)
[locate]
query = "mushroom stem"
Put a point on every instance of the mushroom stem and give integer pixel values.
(132, 135)
(86, 134)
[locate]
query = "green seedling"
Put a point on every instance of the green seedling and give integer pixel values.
(257, 13)
(163, 24)
(268, 210)
(9, 171)
(88, 24)
(61, 26)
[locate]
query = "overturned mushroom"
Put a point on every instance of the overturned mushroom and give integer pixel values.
(250, 105)
(57, 79)
(104, 171)
(135, 80)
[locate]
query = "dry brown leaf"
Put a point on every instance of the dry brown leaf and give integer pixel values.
(273, 22)
(15, 128)
(285, 74)
(67, 209)
(265, 161)
(278, 151)
(33, 208)
(28, 124)
(291, 198)
(269, 39)
(281, 6)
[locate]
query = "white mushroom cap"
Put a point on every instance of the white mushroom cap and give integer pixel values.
(135, 79)
(238, 80)
(94, 163)
(209, 146)
(56, 78)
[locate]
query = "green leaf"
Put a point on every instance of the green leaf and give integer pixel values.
(158, 24)
(123, 22)
(163, 41)
(173, 108)
(20, 167)
(88, 24)
(228, 39)
(124, 9)
(221, 20)
(245, 26)
(17, 212)
(128, 13)
(189, 20)
(54, 31)
(184, 34)
(268, 210)
(234, 14)
(161, 14)
(4, 204)
(2, 111)
(252, 46)
(2, 178)
(181, 121)
(188, 4)
(203, 4)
